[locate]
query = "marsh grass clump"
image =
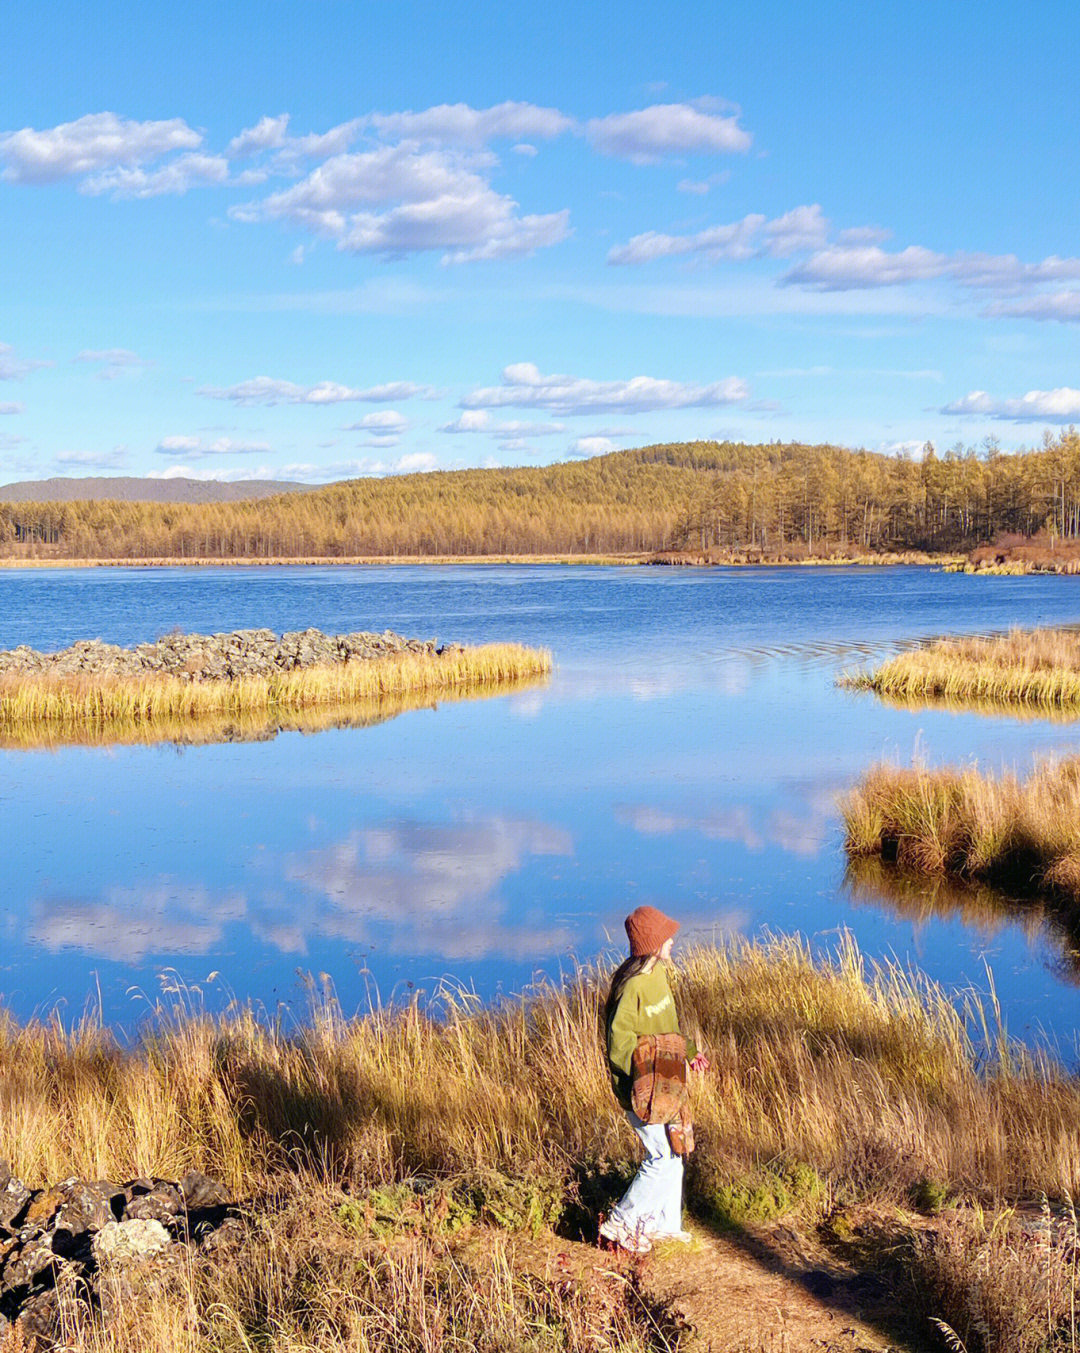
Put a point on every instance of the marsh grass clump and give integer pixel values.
(74, 707)
(253, 725)
(1023, 834)
(1034, 669)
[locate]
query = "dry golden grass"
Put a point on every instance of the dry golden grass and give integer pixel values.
(1025, 833)
(88, 703)
(1038, 669)
(867, 1075)
(832, 1082)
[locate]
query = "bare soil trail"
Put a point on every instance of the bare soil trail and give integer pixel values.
(769, 1290)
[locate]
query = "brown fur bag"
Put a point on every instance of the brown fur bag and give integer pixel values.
(658, 1091)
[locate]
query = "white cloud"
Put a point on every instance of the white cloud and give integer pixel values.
(739, 240)
(459, 124)
(176, 177)
(754, 236)
(524, 386)
(101, 460)
(417, 461)
(702, 187)
(386, 421)
(99, 141)
(841, 267)
(12, 408)
(801, 228)
(848, 267)
(479, 420)
(592, 446)
(196, 447)
(1063, 306)
(649, 134)
(366, 467)
(13, 368)
(112, 362)
(10, 440)
(852, 260)
(440, 202)
(1037, 406)
(267, 134)
(266, 390)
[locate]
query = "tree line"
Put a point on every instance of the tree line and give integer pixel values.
(774, 498)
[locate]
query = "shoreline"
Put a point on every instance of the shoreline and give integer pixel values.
(850, 1121)
(637, 559)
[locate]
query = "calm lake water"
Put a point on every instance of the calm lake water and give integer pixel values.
(687, 752)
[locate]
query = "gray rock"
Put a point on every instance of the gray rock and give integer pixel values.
(200, 1193)
(163, 1203)
(130, 1242)
(14, 1196)
(27, 1265)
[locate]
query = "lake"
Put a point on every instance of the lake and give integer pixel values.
(688, 752)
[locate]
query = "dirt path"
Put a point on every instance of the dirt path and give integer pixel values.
(771, 1292)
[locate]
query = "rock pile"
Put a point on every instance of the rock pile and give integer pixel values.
(82, 1246)
(214, 657)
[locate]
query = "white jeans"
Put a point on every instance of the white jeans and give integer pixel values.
(652, 1205)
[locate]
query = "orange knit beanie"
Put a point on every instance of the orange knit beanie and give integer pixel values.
(647, 929)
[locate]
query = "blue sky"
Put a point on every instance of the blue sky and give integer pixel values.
(312, 240)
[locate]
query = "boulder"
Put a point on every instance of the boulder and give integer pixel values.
(14, 1196)
(130, 1242)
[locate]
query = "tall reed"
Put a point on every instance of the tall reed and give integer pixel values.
(867, 1074)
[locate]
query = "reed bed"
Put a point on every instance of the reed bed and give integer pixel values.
(832, 1083)
(92, 701)
(1023, 834)
(1037, 669)
(249, 725)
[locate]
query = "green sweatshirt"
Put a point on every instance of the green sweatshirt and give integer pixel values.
(646, 1006)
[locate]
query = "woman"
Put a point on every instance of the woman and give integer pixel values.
(640, 1002)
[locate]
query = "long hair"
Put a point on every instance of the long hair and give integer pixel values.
(629, 967)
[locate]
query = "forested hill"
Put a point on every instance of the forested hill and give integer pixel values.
(777, 498)
(128, 489)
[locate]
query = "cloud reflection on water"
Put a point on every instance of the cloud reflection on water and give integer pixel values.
(801, 829)
(410, 887)
(131, 924)
(435, 886)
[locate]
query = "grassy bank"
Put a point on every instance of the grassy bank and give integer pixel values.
(325, 561)
(93, 705)
(1021, 833)
(833, 1087)
(1037, 669)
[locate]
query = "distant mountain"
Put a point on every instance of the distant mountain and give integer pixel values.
(127, 489)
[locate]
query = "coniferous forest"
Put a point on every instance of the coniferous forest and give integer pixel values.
(778, 500)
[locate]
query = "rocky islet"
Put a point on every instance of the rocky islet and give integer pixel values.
(214, 657)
